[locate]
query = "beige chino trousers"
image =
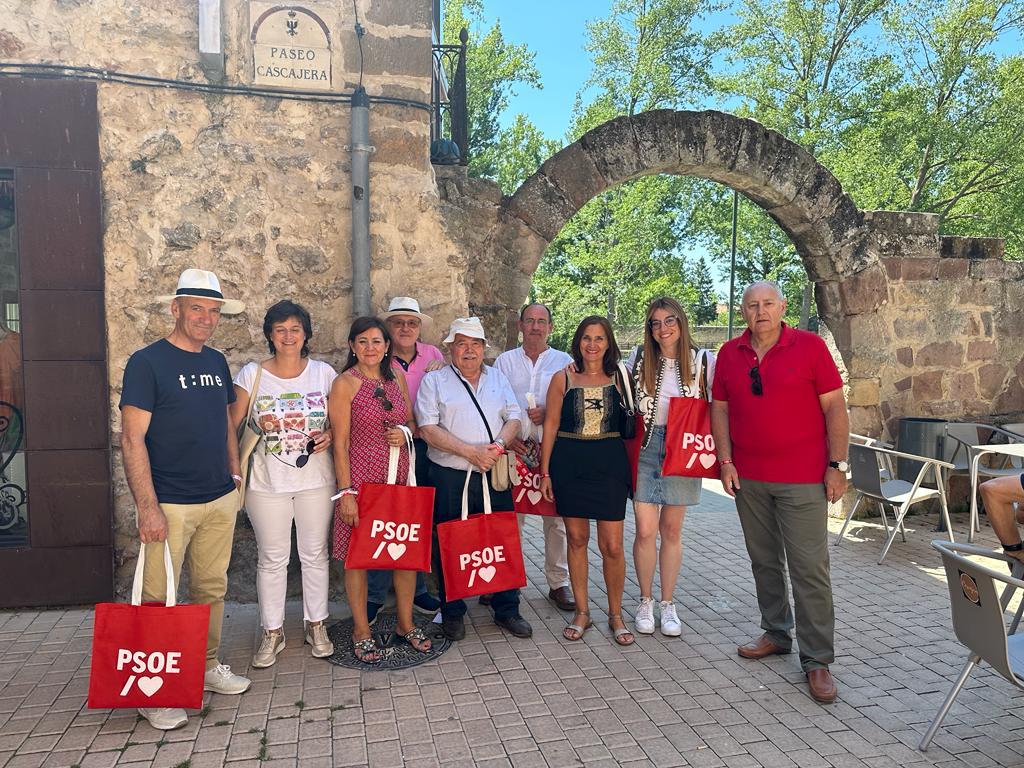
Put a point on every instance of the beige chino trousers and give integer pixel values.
(203, 534)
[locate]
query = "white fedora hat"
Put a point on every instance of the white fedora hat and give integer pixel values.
(202, 284)
(467, 326)
(405, 305)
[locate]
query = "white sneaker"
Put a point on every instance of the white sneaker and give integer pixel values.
(165, 719)
(271, 644)
(644, 621)
(316, 636)
(670, 624)
(221, 679)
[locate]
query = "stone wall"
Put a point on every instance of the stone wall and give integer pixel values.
(258, 189)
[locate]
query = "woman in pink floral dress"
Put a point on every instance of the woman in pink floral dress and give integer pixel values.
(368, 399)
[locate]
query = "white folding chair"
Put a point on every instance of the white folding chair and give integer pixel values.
(978, 617)
(899, 495)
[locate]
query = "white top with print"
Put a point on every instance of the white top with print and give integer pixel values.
(289, 412)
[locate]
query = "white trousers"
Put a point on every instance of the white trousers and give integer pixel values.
(272, 515)
(556, 563)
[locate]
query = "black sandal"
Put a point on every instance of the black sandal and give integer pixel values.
(365, 648)
(416, 637)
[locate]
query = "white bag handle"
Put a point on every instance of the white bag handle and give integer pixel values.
(627, 387)
(140, 567)
(395, 452)
(465, 494)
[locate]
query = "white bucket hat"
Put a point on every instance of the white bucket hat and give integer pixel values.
(467, 326)
(202, 284)
(405, 305)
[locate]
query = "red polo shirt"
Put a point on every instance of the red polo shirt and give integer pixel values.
(778, 436)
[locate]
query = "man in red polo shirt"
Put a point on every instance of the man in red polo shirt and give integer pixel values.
(780, 424)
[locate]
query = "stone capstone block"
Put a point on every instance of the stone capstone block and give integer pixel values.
(903, 222)
(656, 135)
(690, 132)
(612, 149)
(953, 246)
(541, 204)
(573, 172)
(775, 166)
(948, 354)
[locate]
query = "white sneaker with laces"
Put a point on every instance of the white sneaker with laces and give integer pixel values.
(165, 719)
(221, 679)
(670, 624)
(316, 636)
(644, 621)
(271, 644)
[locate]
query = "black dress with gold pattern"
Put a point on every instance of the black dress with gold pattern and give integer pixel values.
(589, 470)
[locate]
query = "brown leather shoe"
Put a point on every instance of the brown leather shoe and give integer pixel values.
(821, 685)
(763, 646)
(562, 597)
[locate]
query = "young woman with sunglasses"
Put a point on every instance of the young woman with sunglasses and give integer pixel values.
(667, 365)
(368, 400)
(292, 475)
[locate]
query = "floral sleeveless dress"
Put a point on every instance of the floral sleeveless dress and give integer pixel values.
(368, 445)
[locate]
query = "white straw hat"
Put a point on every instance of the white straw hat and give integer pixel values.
(202, 284)
(467, 326)
(405, 305)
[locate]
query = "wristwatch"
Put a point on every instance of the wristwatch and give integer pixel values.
(842, 466)
(500, 442)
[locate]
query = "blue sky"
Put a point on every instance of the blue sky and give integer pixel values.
(556, 31)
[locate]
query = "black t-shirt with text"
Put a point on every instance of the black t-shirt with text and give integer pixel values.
(188, 394)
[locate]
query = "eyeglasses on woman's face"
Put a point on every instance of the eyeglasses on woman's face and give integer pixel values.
(671, 321)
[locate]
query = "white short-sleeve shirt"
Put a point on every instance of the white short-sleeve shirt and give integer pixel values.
(289, 412)
(526, 376)
(443, 401)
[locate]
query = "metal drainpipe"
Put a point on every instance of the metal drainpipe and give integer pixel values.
(360, 150)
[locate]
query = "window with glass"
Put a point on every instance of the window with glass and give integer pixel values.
(13, 496)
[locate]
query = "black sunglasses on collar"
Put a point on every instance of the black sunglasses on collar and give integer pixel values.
(756, 385)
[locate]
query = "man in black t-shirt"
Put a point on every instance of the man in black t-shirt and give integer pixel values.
(181, 461)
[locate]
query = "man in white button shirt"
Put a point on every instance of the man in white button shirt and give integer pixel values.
(529, 369)
(458, 439)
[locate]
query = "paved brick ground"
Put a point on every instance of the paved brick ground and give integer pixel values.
(498, 701)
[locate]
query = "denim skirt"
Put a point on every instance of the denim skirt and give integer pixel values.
(654, 488)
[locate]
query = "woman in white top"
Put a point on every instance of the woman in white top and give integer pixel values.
(667, 366)
(292, 475)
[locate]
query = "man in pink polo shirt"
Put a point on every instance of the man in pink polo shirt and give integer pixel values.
(781, 429)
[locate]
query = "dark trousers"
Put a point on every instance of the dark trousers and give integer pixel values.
(379, 582)
(448, 484)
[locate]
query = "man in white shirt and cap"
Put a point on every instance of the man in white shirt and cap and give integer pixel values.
(460, 438)
(529, 369)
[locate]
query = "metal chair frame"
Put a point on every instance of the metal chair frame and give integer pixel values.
(867, 474)
(978, 615)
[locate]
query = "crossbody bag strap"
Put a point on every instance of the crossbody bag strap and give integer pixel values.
(472, 397)
(703, 383)
(252, 399)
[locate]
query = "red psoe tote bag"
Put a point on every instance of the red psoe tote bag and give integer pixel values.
(394, 521)
(526, 495)
(480, 554)
(149, 655)
(689, 446)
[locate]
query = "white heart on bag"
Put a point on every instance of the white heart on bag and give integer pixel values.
(707, 460)
(396, 550)
(534, 496)
(150, 685)
(487, 573)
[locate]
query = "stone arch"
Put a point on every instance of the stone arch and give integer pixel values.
(799, 193)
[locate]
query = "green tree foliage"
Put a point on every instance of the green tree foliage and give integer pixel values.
(494, 69)
(704, 310)
(625, 247)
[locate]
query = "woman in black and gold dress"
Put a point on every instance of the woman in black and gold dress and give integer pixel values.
(584, 468)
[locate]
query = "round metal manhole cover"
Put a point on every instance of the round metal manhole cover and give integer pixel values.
(397, 654)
